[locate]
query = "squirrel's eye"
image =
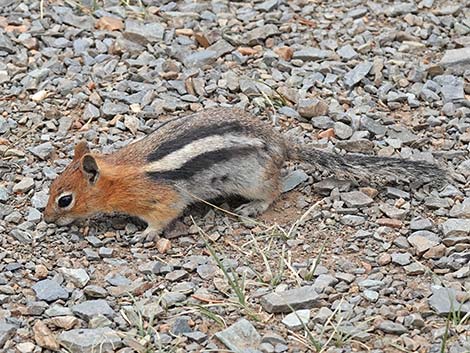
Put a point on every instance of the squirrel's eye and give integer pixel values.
(64, 201)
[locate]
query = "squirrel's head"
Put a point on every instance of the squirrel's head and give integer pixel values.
(71, 194)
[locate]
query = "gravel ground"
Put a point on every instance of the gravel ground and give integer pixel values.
(364, 268)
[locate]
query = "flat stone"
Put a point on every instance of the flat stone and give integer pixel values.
(456, 227)
(42, 151)
(347, 52)
(453, 57)
(284, 302)
(401, 259)
(342, 130)
(24, 185)
(355, 76)
(49, 291)
(90, 340)
(391, 327)
(181, 325)
(240, 337)
(323, 281)
(393, 212)
(111, 109)
(310, 108)
(143, 33)
(221, 47)
(371, 295)
(443, 301)
(6, 44)
(200, 58)
(260, 33)
(6, 332)
(90, 308)
(297, 319)
(423, 240)
(311, 54)
(293, 179)
(21, 235)
(77, 276)
(356, 199)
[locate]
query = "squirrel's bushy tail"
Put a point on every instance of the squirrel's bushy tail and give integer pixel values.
(370, 168)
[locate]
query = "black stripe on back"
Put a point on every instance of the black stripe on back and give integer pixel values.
(203, 162)
(192, 135)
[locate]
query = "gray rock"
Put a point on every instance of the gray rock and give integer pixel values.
(181, 325)
(323, 281)
(352, 220)
(39, 199)
(24, 185)
(284, 302)
(452, 87)
(111, 109)
(143, 33)
(355, 76)
(370, 283)
(90, 308)
(240, 337)
(391, 327)
(90, 340)
(347, 52)
(77, 276)
(4, 194)
(200, 58)
(90, 254)
(49, 291)
(7, 331)
(90, 112)
(356, 199)
(310, 108)
(116, 279)
(297, 319)
(293, 179)
(455, 227)
(401, 259)
(95, 291)
(342, 130)
(311, 54)
(443, 301)
(423, 240)
(6, 44)
(260, 33)
(105, 252)
(421, 224)
(21, 235)
(42, 151)
(221, 47)
(196, 336)
(393, 212)
(371, 295)
(268, 5)
(454, 57)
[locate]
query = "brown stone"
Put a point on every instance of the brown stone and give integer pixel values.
(330, 133)
(44, 337)
(108, 23)
(284, 52)
(435, 252)
(388, 222)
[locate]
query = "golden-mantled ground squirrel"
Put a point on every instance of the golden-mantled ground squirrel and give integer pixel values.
(212, 153)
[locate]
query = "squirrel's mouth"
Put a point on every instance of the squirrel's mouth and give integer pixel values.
(64, 221)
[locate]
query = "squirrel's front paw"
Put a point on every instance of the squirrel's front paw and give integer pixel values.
(147, 236)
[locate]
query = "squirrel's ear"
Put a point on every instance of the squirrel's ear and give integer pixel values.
(90, 168)
(81, 149)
